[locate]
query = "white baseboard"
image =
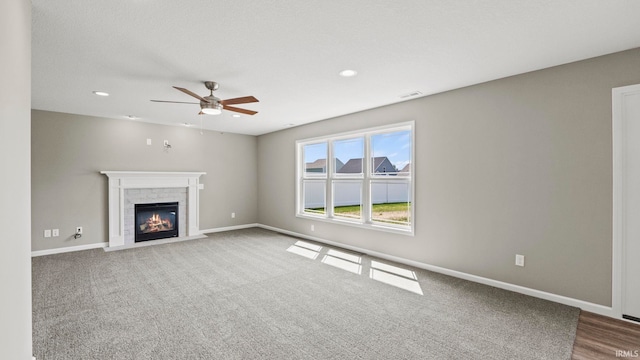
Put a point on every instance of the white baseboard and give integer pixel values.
(229, 228)
(584, 305)
(69, 249)
(154, 242)
(106, 244)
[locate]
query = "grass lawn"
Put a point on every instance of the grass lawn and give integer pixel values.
(389, 212)
(401, 206)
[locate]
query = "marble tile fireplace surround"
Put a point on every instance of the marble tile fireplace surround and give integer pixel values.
(128, 188)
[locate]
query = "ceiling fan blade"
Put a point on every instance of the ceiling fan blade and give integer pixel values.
(175, 102)
(240, 100)
(189, 92)
(243, 111)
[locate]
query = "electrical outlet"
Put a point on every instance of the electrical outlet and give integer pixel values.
(55, 232)
(233, 215)
(47, 233)
(519, 260)
(79, 230)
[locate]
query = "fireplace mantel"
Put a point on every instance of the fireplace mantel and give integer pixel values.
(119, 181)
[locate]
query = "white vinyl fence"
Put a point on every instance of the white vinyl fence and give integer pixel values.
(348, 193)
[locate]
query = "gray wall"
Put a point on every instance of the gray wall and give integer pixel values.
(69, 151)
(520, 165)
(15, 213)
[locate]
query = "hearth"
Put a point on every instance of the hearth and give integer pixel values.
(156, 221)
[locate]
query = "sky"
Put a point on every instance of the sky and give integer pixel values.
(396, 146)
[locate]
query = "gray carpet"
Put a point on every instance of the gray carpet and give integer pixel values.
(254, 294)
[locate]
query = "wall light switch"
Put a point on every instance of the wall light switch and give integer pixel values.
(519, 260)
(55, 232)
(233, 215)
(47, 233)
(148, 141)
(313, 228)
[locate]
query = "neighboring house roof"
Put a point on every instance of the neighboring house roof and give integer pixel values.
(321, 164)
(318, 164)
(406, 168)
(381, 164)
(353, 166)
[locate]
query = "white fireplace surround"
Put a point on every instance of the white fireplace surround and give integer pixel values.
(119, 181)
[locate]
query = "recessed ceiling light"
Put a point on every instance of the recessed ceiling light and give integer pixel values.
(348, 73)
(187, 124)
(289, 125)
(131, 117)
(101, 93)
(236, 115)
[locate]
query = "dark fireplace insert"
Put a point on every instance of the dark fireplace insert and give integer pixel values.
(156, 221)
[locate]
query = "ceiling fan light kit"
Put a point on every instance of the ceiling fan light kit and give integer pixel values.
(210, 108)
(211, 105)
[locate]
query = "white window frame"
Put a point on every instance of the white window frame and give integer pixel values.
(367, 177)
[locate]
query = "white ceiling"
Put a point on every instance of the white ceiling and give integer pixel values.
(288, 53)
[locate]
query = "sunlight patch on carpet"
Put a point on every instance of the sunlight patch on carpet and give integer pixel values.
(343, 260)
(305, 249)
(395, 276)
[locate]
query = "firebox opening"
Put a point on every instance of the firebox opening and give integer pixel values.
(156, 221)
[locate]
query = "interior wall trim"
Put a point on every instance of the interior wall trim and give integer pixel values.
(106, 244)
(584, 305)
(620, 189)
(229, 228)
(69, 249)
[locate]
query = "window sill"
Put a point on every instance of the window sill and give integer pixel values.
(373, 226)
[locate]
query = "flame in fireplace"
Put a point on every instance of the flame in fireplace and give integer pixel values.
(156, 223)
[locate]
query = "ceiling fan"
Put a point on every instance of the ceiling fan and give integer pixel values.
(211, 105)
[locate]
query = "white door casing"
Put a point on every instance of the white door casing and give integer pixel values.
(626, 201)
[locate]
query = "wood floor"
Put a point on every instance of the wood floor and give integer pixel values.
(600, 337)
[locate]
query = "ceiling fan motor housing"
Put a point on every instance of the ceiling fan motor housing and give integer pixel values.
(211, 85)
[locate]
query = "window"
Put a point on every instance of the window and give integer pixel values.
(361, 178)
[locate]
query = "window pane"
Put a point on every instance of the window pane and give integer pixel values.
(347, 199)
(315, 159)
(391, 153)
(360, 178)
(348, 155)
(391, 202)
(314, 196)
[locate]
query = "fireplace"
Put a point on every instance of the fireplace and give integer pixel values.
(156, 221)
(127, 188)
